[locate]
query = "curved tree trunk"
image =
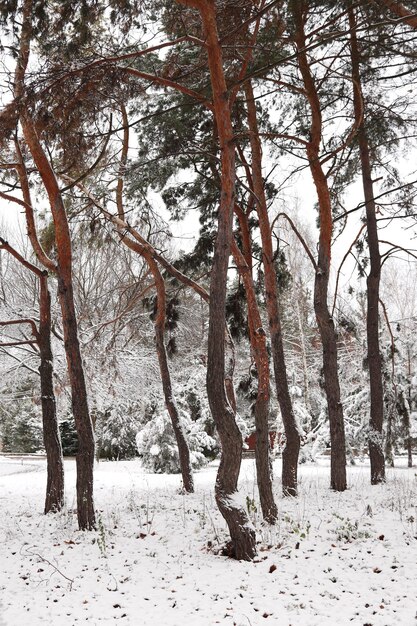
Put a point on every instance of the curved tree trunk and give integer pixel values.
(241, 530)
(292, 435)
(408, 17)
(321, 283)
(262, 405)
(183, 450)
(144, 251)
(54, 500)
(85, 455)
(376, 420)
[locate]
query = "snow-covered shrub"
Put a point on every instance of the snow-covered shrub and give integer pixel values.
(21, 428)
(157, 446)
(356, 411)
(115, 431)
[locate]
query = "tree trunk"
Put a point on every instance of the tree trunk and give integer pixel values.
(85, 455)
(54, 500)
(260, 354)
(409, 452)
(409, 438)
(230, 370)
(376, 420)
(406, 16)
(331, 378)
(292, 435)
(183, 450)
(241, 530)
(389, 454)
(321, 283)
(304, 356)
(144, 251)
(86, 444)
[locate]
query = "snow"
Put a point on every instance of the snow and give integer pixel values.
(10, 466)
(333, 558)
(155, 450)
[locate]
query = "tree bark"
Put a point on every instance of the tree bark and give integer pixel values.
(183, 450)
(321, 283)
(408, 17)
(54, 500)
(242, 533)
(257, 337)
(375, 440)
(389, 453)
(85, 455)
(409, 444)
(292, 435)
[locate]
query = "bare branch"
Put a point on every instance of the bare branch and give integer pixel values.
(35, 332)
(6, 246)
(342, 263)
(300, 237)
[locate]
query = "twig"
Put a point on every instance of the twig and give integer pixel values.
(54, 567)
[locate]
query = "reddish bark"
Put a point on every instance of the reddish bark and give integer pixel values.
(321, 284)
(401, 11)
(136, 246)
(85, 455)
(241, 530)
(292, 446)
(63, 268)
(257, 337)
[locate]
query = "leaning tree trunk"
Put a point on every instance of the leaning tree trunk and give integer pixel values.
(144, 251)
(375, 439)
(321, 283)
(183, 450)
(241, 530)
(257, 338)
(292, 434)
(85, 454)
(54, 500)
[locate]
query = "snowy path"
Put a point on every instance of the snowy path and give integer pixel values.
(333, 559)
(12, 466)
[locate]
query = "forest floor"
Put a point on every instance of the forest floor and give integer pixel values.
(333, 558)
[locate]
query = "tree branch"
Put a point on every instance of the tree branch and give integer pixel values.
(300, 237)
(35, 332)
(341, 265)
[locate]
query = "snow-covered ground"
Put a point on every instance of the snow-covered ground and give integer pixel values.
(18, 466)
(333, 559)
